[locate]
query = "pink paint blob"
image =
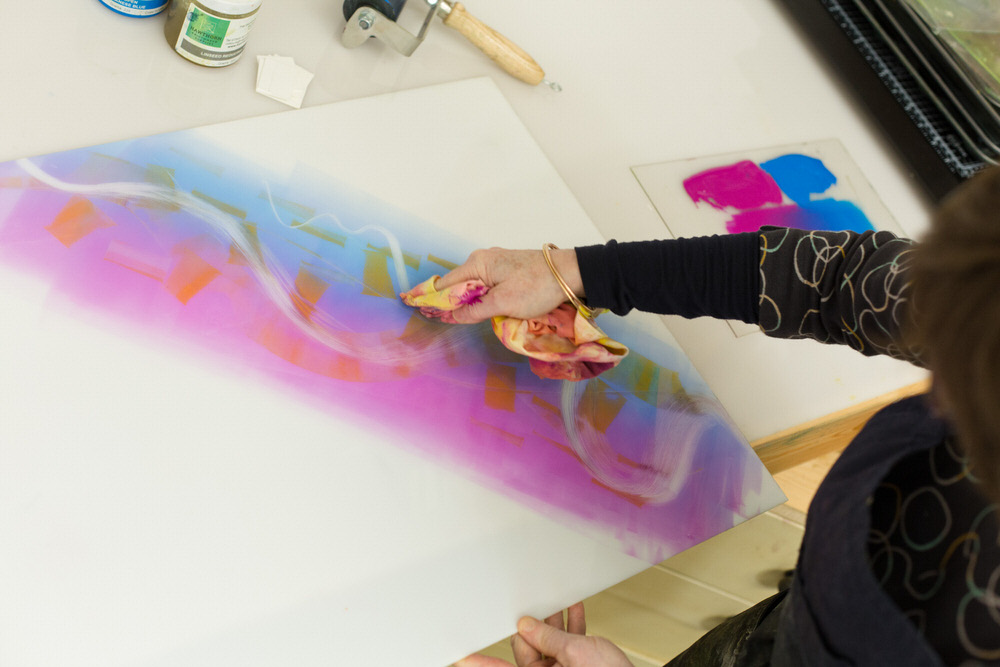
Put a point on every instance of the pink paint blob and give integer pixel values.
(753, 195)
(741, 186)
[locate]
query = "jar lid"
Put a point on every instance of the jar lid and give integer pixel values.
(231, 7)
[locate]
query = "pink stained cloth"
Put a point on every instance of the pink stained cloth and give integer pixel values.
(561, 345)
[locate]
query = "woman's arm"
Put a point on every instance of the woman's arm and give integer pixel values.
(713, 276)
(837, 287)
(834, 287)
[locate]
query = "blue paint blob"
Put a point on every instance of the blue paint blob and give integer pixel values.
(799, 176)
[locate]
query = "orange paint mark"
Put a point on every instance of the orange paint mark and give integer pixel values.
(13, 182)
(409, 259)
(276, 337)
(321, 233)
(624, 460)
(635, 500)
(303, 307)
(236, 255)
(273, 337)
(552, 414)
(190, 275)
(542, 403)
(418, 330)
(309, 288)
(345, 368)
(517, 440)
(375, 279)
(204, 245)
(419, 334)
(600, 404)
(442, 262)
(160, 175)
(675, 387)
(453, 357)
(646, 376)
(638, 375)
(137, 260)
(501, 387)
(560, 446)
(77, 219)
(221, 205)
(294, 208)
(306, 250)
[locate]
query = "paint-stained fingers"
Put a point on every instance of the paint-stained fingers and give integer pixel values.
(475, 312)
(519, 281)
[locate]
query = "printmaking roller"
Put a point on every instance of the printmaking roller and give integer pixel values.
(377, 18)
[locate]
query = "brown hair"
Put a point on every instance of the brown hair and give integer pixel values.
(956, 297)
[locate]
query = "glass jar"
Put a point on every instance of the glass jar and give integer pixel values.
(212, 33)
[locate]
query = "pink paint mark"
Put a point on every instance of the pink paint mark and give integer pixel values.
(165, 275)
(473, 295)
(753, 195)
(742, 185)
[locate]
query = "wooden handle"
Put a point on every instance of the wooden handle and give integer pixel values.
(501, 50)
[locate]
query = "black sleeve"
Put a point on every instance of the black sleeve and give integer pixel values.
(837, 287)
(834, 287)
(714, 276)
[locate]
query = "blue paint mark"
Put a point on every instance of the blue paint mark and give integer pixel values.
(799, 176)
(835, 215)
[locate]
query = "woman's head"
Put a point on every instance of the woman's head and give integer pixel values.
(956, 298)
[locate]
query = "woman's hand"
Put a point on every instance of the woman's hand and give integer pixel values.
(547, 644)
(520, 283)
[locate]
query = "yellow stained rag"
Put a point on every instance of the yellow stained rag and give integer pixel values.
(561, 345)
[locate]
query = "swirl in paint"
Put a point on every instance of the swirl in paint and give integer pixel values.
(679, 423)
(275, 283)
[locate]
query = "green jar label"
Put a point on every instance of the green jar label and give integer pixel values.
(206, 29)
(208, 39)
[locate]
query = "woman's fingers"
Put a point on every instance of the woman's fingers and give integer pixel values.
(576, 621)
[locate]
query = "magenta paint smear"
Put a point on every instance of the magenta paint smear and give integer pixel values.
(742, 186)
(757, 195)
(295, 279)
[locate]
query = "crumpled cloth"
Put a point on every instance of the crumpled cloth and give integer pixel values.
(562, 345)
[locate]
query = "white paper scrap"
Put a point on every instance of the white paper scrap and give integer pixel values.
(279, 78)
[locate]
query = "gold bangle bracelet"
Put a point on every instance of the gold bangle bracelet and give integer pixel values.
(581, 308)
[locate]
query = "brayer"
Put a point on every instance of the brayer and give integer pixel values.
(377, 18)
